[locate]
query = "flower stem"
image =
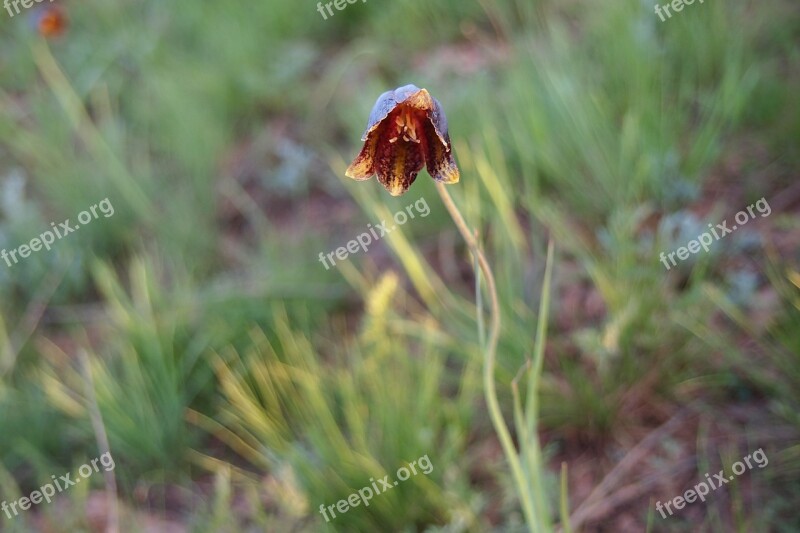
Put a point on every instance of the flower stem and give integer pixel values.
(490, 358)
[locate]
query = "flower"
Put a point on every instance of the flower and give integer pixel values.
(406, 130)
(49, 21)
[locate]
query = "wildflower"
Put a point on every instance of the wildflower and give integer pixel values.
(49, 21)
(406, 130)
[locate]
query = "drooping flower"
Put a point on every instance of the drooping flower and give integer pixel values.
(407, 129)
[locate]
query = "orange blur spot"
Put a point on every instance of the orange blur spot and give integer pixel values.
(52, 22)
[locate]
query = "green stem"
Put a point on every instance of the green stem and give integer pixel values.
(490, 360)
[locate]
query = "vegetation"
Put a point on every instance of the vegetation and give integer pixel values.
(242, 385)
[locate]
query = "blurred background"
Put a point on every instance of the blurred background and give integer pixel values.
(241, 384)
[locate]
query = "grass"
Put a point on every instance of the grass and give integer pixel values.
(242, 384)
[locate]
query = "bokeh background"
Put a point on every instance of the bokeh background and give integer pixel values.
(242, 385)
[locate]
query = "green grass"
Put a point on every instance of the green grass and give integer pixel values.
(232, 368)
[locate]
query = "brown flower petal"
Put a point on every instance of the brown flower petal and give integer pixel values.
(397, 164)
(363, 167)
(439, 156)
